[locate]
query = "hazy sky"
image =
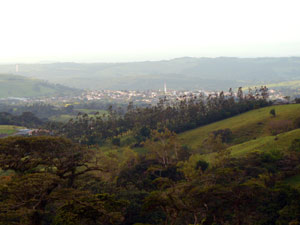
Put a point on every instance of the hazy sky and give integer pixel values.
(135, 30)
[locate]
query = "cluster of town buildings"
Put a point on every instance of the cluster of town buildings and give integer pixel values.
(148, 96)
(124, 96)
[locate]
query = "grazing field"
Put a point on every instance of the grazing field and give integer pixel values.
(280, 142)
(8, 129)
(245, 127)
(91, 111)
(251, 132)
(62, 118)
(67, 117)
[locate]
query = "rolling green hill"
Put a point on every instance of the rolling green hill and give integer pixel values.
(245, 127)
(19, 86)
(251, 131)
(280, 142)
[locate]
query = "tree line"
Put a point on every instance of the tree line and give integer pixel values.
(178, 116)
(26, 119)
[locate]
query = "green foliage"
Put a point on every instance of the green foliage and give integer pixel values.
(213, 144)
(272, 112)
(293, 181)
(59, 182)
(116, 141)
(225, 135)
(203, 165)
(47, 170)
(91, 209)
(280, 142)
(184, 153)
(26, 119)
(177, 116)
(295, 146)
(270, 158)
(142, 135)
(233, 192)
(145, 132)
(163, 147)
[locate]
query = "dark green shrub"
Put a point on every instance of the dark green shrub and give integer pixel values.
(272, 112)
(116, 141)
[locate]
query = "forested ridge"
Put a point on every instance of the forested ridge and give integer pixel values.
(133, 167)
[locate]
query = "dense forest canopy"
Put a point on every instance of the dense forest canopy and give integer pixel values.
(65, 183)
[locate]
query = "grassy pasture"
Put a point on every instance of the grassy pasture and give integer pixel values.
(62, 118)
(245, 127)
(91, 111)
(280, 142)
(9, 129)
(67, 117)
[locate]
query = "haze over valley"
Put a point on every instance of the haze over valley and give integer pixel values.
(187, 73)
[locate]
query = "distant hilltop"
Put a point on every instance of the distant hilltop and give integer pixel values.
(184, 73)
(21, 87)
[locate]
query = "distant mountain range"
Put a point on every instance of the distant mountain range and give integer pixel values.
(20, 86)
(181, 73)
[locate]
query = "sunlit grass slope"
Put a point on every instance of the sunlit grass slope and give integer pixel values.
(8, 129)
(245, 127)
(281, 142)
(250, 133)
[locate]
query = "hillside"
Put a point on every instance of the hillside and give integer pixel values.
(19, 86)
(251, 132)
(181, 73)
(245, 127)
